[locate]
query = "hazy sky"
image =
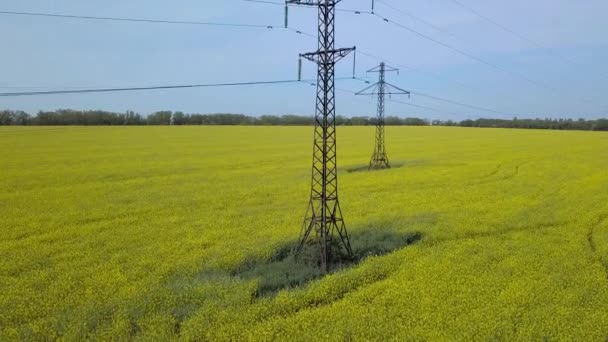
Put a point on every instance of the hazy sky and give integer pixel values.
(47, 53)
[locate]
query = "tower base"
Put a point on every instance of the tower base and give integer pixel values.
(379, 161)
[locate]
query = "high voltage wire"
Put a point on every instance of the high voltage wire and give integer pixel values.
(461, 52)
(518, 35)
(107, 90)
(437, 98)
(296, 5)
(478, 59)
(376, 57)
(369, 54)
(466, 54)
(408, 104)
(502, 27)
(265, 2)
(431, 96)
(138, 20)
(445, 45)
(270, 27)
(195, 23)
(425, 107)
(86, 17)
(448, 101)
(460, 103)
(111, 90)
(157, 21)
(385, 19)
(437, 76)
(426, 22)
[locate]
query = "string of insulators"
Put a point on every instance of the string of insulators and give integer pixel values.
(286, 16)
(355, 63)
(300, 69)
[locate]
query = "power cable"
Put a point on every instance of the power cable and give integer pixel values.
(302, 6)
(297, 31)
(480, 60)
(425, 107)
(461, 52)
(264, 27)
(458, 103)
(516, 34)
(426, 22)
(157, 21)
(109, 90)
(411, 104)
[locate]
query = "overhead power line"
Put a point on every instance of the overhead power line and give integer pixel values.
(458, 103)
(380, 58)
(266, 2)
(427, 107)
(279, 27)
(432, 74)
(518, 35)
(139, 20)
(73, 90)
(502, 27)
(511, 73)
(514, 74)
(408, 14)
(445, 45)
(271, 27)
(157, 21)
(463, 53)
(111, 90)
(461, 104)
(304, 6)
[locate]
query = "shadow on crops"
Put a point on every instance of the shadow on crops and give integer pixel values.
(283, 271)
(394, 165)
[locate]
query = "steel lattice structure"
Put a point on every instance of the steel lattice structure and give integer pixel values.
(324, 216)
(379, 158)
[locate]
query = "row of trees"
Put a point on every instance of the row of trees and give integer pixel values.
(66, 117)
(558, 124)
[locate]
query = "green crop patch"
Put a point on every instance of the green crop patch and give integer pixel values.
(186, 233)
(284, 271)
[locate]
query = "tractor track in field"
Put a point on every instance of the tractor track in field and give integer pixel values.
(40, 130)
(592, 244)
(496, 176)
(536, 227)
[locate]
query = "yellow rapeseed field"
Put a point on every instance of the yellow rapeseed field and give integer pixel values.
(155, 233)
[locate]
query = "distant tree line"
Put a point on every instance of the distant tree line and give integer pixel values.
(67, 117)
(557, 124)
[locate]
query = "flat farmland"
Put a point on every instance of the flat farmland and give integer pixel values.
(113, 233)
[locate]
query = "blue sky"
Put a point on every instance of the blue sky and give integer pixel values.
(49, 53)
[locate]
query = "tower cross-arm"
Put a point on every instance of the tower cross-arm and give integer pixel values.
(312, 2)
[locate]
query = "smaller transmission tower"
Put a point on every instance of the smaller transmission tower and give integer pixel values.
(379, 158)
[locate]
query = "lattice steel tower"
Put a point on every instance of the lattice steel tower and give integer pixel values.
(379, 158)
(324, 216)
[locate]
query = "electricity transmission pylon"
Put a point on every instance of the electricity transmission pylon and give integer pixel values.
(324, 216)
(379, 158)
